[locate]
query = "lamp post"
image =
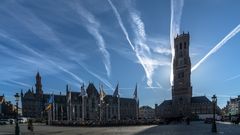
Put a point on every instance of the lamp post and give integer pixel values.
(107, 112)
(214, 101)
(17, 130)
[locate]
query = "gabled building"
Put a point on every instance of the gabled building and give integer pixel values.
(233, 107)
(87, 104)
(146, 112)
(33, 101)
(7, 109)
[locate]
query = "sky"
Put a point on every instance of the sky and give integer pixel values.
(127, 42)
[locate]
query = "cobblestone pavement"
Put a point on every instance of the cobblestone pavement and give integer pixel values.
(195, 128)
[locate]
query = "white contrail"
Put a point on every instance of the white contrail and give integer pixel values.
(36, 25)
(218, 46)
(108, 84)
(141, 49)
(19, 83)
(121, 23)
(41, 56)
(234, 77)
(176, 13)
(92, 25)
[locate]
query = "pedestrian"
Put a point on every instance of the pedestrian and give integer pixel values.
(30, 125)
(188, 121)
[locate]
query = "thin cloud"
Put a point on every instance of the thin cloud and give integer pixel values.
(107, 83)
(18, 83)
(233, 77)
(217, 47)
(92, 25)
(162, 50)
(42, 30)
(141, 49)
(35, 25)
(30, 50)
(102, 79)
(176, 13)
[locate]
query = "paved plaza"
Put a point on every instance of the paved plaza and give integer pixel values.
(195, 128)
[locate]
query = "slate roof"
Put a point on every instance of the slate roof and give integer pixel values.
(112, 99)
(60, 99)
(200, 99)
(166, 102)
(91, 90)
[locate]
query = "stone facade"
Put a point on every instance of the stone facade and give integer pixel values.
(182, 103)
(7, 109)
(33, 102)
(146, 112)
(233, 107)
(78, 106)
(182, 89)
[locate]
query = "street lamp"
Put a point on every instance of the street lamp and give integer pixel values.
(214, 101)
(17, 130)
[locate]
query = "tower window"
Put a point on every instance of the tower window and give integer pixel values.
(180, 46)
(185, 45)
(180, 75)
(180, 54)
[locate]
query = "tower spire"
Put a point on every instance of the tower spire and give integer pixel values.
(38, 84)
(135, 95)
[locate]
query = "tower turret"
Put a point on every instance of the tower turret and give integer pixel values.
(38, 84)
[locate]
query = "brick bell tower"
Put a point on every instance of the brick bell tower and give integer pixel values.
(38, 84)
(182, 89)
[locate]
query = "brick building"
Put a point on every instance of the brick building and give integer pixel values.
(182, 103)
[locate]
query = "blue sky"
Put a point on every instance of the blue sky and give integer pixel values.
(111, 41)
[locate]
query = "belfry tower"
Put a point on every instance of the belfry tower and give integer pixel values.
(182, 89)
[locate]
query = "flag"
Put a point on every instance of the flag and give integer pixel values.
(102, 93)
(61, 109)
(50, 103)
(83, 92)
(69, 97)
(116, 92)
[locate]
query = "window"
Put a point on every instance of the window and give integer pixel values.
(180, 54)
(181, 75)
(185, 45)
(180, 46)
(180, 62)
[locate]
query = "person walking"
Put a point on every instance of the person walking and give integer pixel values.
(30, 125)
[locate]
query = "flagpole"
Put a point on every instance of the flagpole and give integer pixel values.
(56, 112)
(61, 113)
(53, 110)
(49, 117)
(70, 110)
(82, 108)
(118, 107)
